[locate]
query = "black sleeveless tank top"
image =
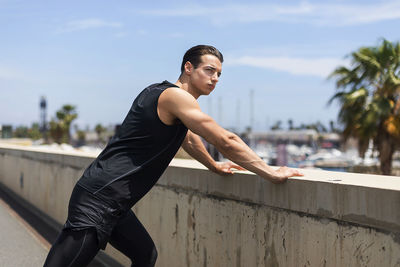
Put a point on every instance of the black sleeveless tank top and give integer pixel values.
(137, 154)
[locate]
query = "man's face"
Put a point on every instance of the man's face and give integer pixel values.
(205, 77)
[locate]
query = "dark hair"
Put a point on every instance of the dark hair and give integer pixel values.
(193, 55)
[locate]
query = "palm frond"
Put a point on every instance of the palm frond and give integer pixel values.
(367, 58)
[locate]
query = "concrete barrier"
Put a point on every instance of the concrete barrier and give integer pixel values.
(198, 218)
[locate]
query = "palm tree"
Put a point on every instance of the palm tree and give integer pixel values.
(369, 97)
(60, 127)
(99, 130)
(277, 125)
(290, 122)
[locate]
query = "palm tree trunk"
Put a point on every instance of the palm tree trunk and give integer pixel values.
(397, 106)
(363, 144)
(386, 154)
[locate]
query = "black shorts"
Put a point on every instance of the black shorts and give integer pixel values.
(86, 210)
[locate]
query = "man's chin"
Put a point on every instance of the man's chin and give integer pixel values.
(210, 89)
(207, 92)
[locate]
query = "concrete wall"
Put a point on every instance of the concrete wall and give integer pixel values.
(197, 218)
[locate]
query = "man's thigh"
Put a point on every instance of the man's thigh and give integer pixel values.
(131, 238)
(73, 248)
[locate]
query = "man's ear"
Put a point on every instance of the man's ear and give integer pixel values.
(188, 68)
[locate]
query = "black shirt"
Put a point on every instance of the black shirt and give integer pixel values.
(137, 154)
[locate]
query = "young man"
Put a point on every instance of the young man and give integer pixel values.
(162, 118)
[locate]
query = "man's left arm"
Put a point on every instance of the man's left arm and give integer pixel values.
(195, 148)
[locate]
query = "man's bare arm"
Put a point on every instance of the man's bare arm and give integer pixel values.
(195, 148)
(182, 105)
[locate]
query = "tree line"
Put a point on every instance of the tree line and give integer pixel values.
(318, 126)
(59, 128)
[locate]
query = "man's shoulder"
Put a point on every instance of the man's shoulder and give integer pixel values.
(176, 95)
(154, 89)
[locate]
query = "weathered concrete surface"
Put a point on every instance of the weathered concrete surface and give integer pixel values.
(203, 231)
(197, 218)
(371, 200)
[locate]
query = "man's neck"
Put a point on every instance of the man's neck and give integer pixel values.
(183, 84)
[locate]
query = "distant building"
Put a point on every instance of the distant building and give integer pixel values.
(6, 131)
(330, 140)
(296, 137)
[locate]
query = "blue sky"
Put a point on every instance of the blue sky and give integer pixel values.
(98, 55)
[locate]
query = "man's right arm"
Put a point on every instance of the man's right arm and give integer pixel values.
(184, 106)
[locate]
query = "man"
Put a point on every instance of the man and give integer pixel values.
(163, 117)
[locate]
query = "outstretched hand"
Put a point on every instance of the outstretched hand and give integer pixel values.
(225, 168)
(283, 173)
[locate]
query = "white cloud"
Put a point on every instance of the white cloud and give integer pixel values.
(85, 24)
(304, 12)
(358, 14)
(321, 67)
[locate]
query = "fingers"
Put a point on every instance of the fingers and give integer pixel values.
(238, 167)
(298, 173)
(288, 172)
(235, 166)
(224, 169)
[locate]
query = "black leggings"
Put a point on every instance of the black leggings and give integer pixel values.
(78, 248)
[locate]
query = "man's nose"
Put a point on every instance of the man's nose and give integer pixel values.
(215, 77)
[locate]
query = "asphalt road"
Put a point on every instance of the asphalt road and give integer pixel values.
(20, 244)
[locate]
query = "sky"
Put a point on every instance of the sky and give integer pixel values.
(98, 55)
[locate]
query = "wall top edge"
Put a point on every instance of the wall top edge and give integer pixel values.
(48, 150)
(330, 177)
